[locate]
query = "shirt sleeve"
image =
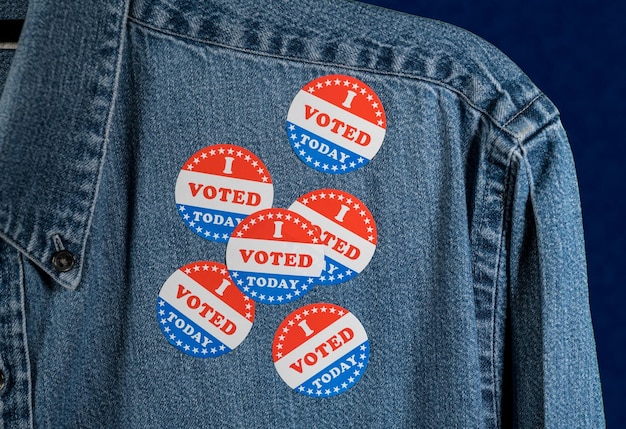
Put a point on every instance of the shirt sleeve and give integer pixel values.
(554, 379)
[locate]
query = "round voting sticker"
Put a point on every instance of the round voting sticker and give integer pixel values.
(320, 350)
(336, 124)
(201, 312)
(347, 231)
(275, 256)
(218, 187)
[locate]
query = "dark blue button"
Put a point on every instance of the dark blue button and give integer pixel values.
(63, 261)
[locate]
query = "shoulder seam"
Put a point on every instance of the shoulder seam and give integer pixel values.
(523, 110)
(459, 93)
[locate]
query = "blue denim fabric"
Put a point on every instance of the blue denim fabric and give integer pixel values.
(475, 301)
(13, 9)
(6, 57)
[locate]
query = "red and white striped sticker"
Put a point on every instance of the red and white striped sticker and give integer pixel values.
(218, 187)
(275, 256)
(336, 124)
(201, 312)
(347, 231)
(320, 350)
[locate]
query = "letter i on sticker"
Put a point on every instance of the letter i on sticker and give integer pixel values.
(336, 124)
(320, 350)
(347, 231)
(201, 312)
(218, 187)
(275, 256)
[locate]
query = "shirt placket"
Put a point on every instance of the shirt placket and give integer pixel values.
(15, 377)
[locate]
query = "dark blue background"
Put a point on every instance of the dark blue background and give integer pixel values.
(574, 52)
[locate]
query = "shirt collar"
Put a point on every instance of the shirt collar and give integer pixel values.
(55, 113)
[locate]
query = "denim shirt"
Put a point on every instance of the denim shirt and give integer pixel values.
(474, 302)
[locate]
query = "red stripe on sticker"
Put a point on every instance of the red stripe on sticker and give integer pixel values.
(214, 277)
(302, 324)
(229, 161)
(351, 95)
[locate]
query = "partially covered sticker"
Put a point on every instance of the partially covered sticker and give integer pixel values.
(347, 231)
(218, 187)
(321, 350)
(336, 124)
(275, 256)
(201, 312)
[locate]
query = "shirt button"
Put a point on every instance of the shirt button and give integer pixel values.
(63, 261)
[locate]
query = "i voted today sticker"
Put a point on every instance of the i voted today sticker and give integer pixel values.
(347, 231)
(321, 350)
(275, 256)
(218, 187)
(201, 312)
(336, 124)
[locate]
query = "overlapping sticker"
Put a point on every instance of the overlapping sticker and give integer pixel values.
(218, 187)
(275, 256)
(320, 350)
(336, 124)
(201, 312)
(347, 231)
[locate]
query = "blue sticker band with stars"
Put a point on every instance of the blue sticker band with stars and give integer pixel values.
(272, 288)
(335, 273)
(213, 225)
(185, 335)
(322, 154)
(339, 376)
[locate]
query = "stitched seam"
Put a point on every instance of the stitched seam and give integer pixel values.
(107, 130)
(497, 285)
(479, 244)
(17, 246)
(523, 110)
(22, 275)
(336, 65)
